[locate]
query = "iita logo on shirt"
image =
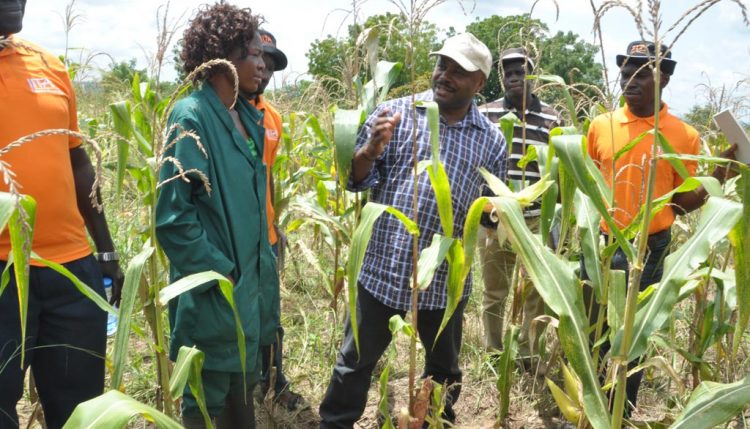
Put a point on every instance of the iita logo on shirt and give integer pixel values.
(42, 85)
(272, 134)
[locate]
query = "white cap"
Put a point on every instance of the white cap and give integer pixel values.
(468, 51)
(513, 54)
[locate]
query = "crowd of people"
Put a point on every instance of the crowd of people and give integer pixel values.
(231, 139)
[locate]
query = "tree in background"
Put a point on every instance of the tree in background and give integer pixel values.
(122, 74)
(333, 61)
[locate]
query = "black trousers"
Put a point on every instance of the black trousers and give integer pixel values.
(346, 397)
(653, 268)
(65, 343)
(277, 350)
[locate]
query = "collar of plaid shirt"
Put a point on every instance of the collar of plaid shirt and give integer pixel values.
(464, 147)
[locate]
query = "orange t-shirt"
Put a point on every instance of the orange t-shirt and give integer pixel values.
(610, 132)
(274, 128)
(35, 95)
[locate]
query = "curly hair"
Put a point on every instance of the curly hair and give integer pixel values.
(216, 31)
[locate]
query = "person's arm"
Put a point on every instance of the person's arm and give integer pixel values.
(380, 135)
(96, 223)
(686, 202)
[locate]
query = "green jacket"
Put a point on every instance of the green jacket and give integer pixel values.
(223, 230)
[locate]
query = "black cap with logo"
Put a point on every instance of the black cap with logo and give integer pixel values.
(269, 47)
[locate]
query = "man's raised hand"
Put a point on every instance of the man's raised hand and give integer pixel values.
(380, 134)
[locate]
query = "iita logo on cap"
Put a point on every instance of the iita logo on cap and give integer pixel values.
(639, 49)
(42, 85)
(266, 40)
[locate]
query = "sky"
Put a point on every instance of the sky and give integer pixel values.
(714, 51)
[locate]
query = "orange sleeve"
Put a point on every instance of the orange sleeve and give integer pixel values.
(591, 142)
(692, 147)
(273, 151)
(73, 142)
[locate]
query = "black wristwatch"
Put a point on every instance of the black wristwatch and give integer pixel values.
(107, 256)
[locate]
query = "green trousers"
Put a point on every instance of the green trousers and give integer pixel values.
(222, 391)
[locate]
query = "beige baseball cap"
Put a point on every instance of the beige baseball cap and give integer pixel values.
(468, 51)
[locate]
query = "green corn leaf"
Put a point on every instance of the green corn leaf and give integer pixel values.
(82, 287)
(460, 259)
(569, 409)
(633, 143)
(588, 178)
(497, 186)
(442, 189)
(713, 404)
(438, 177)
(135, 88)
(122, 125)
(226, 287)
(368, 39)
(346, 124)
(717, 218)
(386, 74)
(361, 237)
(616, 301)
(507, 123)
(667, 148)
(438, 407)
(588, 219)
(315, 214)
(375, 91)
(7, 207)
(558, 285)
(710, 184)
(525, 196)
(321, 193)
(569, 102)
(187, 371)
(549, 199)
(5, 279)
(383, 407)
(740, 240)
(567, 201)
(312, 123)
(114, 410)
(130, 286)
(528, 195)
(471, 229)
(430, 259)
(530, 156)
(397, 325)
(21, 228)
(505, 366)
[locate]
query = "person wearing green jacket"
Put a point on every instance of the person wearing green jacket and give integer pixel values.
(210, 215)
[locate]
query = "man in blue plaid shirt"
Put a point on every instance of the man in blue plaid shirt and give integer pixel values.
(383, 162)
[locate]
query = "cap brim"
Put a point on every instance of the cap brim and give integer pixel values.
(517, 56)
(667, 64)
(460, 59)
(278, 57)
